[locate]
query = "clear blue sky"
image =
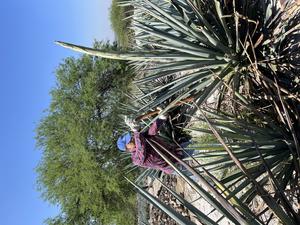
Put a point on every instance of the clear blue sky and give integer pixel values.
(28, 58)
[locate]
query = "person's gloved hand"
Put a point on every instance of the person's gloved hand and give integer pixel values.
(163, 116)
(131, 123)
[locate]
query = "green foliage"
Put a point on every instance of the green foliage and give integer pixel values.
(80, 170)
(120, 24)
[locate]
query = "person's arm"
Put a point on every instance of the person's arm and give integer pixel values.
(138, 156)
(154, 128)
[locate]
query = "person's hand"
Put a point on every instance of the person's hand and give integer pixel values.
(163, 116)
(131, 123)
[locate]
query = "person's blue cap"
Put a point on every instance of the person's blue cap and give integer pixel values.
(123, 141)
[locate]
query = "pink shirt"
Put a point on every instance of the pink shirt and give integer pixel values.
(145, 156)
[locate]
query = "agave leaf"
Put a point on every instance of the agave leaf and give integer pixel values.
(286, 204)
(201, 216)
(175, 90)
(187, 65)
(198, 12)
(180, 43)
(281, 169)
(169, 106)
(236, 201)
(143, 175)
(225, 208)
(179, 23)
(165, 73)
(173, 25)
(223, 22)
(167, 209)
(261, 191)
(203, 96)
(167, 85)
(256, 172)
(134, 56)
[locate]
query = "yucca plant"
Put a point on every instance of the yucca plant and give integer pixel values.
(238, 46)
(260, 161)
(262, 155)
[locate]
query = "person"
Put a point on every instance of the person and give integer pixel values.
(142, 153)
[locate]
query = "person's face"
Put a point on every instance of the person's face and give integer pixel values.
(130, 146)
